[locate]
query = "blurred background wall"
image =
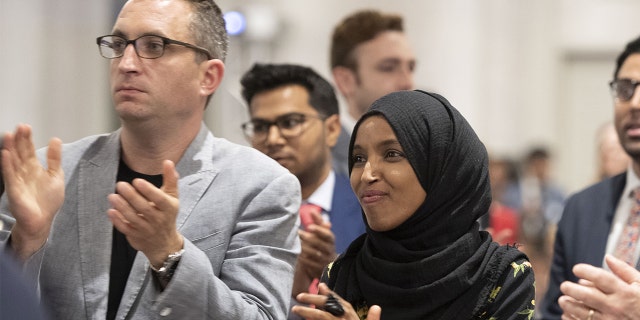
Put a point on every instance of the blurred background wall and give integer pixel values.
(524, 73)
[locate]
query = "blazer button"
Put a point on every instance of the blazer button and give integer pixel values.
(165, 311)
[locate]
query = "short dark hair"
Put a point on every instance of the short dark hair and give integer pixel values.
(209, 28)
(537, 153)
(263, 77)
(631, 48)
(357, 28)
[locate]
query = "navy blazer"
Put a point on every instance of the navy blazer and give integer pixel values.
(18, 299)
(340, 152)
(346, 214)
(582, 236)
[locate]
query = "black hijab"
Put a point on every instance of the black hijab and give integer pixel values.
(437, 264)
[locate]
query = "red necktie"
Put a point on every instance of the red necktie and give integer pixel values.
(306, 219)
(305, 213)
(626, 248)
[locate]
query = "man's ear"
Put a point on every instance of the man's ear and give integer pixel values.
(211, 73)
(332, 128)
(345, 80)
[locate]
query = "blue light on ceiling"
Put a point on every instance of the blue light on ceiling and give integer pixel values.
(236, 23)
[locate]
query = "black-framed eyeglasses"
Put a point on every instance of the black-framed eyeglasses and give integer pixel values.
(148, 46)
(289, 125)
(623, 89)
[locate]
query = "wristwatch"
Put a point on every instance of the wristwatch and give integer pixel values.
(164, 273)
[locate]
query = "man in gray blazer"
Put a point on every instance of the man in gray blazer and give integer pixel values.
(160, 218)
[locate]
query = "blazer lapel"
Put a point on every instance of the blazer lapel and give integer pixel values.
(196, 173)
(96, 176)
(598, 235)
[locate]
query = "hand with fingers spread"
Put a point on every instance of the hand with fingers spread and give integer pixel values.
(146, 215)
(600, 294)
(35, 193)
(322, 311)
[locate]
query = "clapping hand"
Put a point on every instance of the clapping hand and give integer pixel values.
(318, 246)
(35, 193)
(600, 294)
(320, 301)
(146, 215)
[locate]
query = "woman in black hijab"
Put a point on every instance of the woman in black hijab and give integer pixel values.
(421, 175)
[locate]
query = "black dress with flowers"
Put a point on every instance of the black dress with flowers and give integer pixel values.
(503, 290)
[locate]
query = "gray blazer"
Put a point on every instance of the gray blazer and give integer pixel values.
(238, 214)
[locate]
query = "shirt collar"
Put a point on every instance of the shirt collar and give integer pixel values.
(633, 181)
(323, 196)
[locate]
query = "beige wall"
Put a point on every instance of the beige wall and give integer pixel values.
(522, 72)
(52, 75)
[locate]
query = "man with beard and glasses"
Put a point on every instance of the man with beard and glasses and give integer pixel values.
(600, 225)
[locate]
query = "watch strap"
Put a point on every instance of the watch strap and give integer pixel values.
(165, 273)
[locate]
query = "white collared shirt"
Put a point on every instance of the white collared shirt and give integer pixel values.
(323, 196)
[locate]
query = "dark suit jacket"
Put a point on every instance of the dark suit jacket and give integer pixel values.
(18, 300)
(346, 214)
(340, 152)
(582, 236)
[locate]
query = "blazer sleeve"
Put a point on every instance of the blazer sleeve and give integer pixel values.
(256, 276)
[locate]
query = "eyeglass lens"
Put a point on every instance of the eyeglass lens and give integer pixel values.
(624, 89)
(289, 125)
(146, 46)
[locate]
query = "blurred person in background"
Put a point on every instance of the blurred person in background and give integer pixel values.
(536, 196)
(370, 56)
(294, 120)
(502, 221)
(539, 203)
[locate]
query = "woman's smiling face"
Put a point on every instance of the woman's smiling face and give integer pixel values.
(382, 177)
